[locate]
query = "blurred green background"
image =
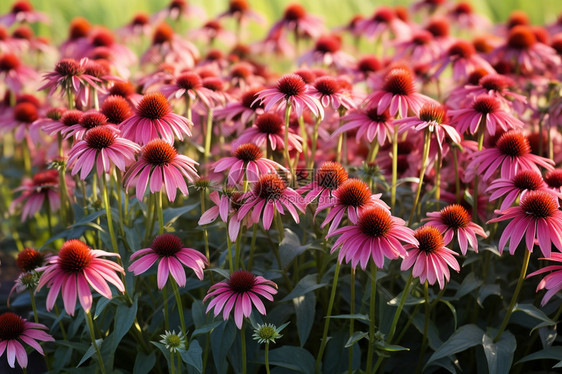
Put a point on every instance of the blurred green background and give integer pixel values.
(115, 13)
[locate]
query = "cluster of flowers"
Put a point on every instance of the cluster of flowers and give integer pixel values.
(469, 121)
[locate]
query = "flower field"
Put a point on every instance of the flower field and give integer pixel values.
(190, 191)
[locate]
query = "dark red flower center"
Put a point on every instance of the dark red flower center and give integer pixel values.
(269, 123)
(369, 64)
(375, 222)
(539, 204)
(22, 6)
(214, 55)
(248, 152)
(90, 120)
(294, 12)
(513, 144)
(422, 37)
(528, 180)
(438, 27)
(399, 82)
(100, 137)
(157, 152)
(238, 6)
(71, 117)
(162, 34)
(3, 33)
(482, 44)
(541, 34)
(213, 25)
(486, 104)
(179, 5)
(504, 67)
(23, 32)
(455, 216)
(432, 113)
(55, 113)
(291, 85)
(28, 98)
(402, 13)
(463, 8)
(307, 75)
(103, 38)
(331, 175)
(374, 116)
(79, 28)
(517, 18)
(116, 109)
(269, 187)
(67, 67)
(557, 43)
(154, 106)
(476, 75)
(123, 89)
(9, 61)
(461, 49)
(554, 178)
(384, 15)
(140, 19)
(97, 68)
(249, 99)
(213, 83)
(189, 81)
(241, 281)
(242, 71)
(29, 259)
(166, 245)
(328, 44)
(429, 238)
(327, 85)
(521, 37)
(11, 326)
(353, 193)
(494, 82)
(74, 256)
(25, 112)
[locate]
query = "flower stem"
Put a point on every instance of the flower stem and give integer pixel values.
(229, 249)
(425, 326)
(179, 304)
(327, 319)
(304, 136)
(457, 177)
(166, 315)
(351, 321)
(427, 140)
(108, 214)
(394, 167)
(515, 294)
(93, 337)
(438, 176)
(481, 128)
(373, 152)
(243, 341)
(34, 307)
(26, 158)
(49, 218)
(208, 135)
(286, 139)
(61, 326)
(172, 363)
(160, 213)
(205, 232)
(188, 114)
(252, 247)
(267, 358)
(372, 306)
(314, 142)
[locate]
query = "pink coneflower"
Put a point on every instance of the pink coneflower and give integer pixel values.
(325, 181)
(89, 120)
(69, 75)
(383, 23)
(485, 110)
(463, 58)
(154, 119)
(170, 48)
(327, 52)
(188, 85)
(297, 20)
(116, 108)
(211, 31)
(102, 39)
(138, 26)
(124, 89)
(366, 67)
(29, 259)
(511, 154)
(431, 117)
(554, 179)
(522, 182)
(241, 11)
(73, 270)
(160, 164)
(240, 292)
(23, 115)
(244, 110)
(178, 9)
(331, 94)
(397, 94)
(369, 125)
(51, 120)
(537, 218)
(270, 194)
(529, 55)
(246, 164)
(43, 187)
(13, 331)
(553, 281)
(102, 148)
(351, 197)
(376, 235)
(64, 124)
(268, 129)
(22, 11)
(14, 74)
(464, 16)
(291, 88)
(453, 220)
(430, 258)
(421, 48)
(168, 249)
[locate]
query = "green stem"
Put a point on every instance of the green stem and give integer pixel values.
(93, 337)
(314, 143)
(205, 232)
(61, 326)
(172, 363)
(118, 185)
(188, 114)
(267, 358)
(304, 136)
(237, 251)
(179, 304)
(327, 319)
(26, 158)
(394, 167)
(351, 321)
(427, 140)
(286, 140)
(372, 306)
(481, 129)
(160, 213)
(34, 307)
(252, 247)
(229, 249)
(243, 341)
(108, 214)
(438, 176)
(166, 315)
(208, 135)
(515, 294)
(457, 177)
(425, 327)
(373, 152)
(49, 218)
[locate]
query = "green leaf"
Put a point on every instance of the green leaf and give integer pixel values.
(550, 353)
(170, 215)
(534, 312)
(144, 363)
(90, 352)
(222, 338)
(290, 248)
(205, 329)
(464, 337)
(293, 358)
(360, 317)
(469, 284)
(383, 346)
(193, 356)
(305, 308)
(164, 351)
(357, 335)
(124, 318)
(487, 290)
(305, 285)
(100, 306)
(499, 355)
(453, 310)
(410, 300)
